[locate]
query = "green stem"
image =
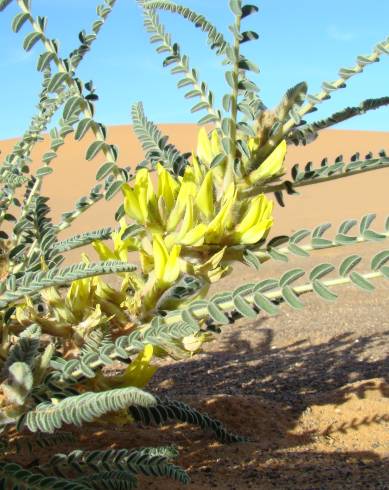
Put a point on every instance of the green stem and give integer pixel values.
(183, 65)
(234, 95)
(323, 95)
(233, 255)
(319, 180)
(201, 312)
(265, 256)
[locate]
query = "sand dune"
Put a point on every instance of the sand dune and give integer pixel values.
(330, 202)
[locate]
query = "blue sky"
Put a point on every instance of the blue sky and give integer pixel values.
(300, 40)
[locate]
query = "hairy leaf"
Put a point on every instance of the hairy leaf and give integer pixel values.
(47, 417)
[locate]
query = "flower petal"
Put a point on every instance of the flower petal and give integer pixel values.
(172, 268)
(161, 256)
(197, 170)
(271, 167)
(215, 143)
(131, 204)
(204, 149)
(217, 228)
(167, 187)
(103, 251)
(254, 234)
(255, 208)
(205, 196)
(187, 189)
(195, 236)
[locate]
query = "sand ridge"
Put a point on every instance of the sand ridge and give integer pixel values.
(334, 201)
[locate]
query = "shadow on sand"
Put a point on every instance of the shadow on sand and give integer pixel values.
(265, 392)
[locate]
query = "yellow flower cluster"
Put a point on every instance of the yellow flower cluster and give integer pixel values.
(205, 208)
(186, 211)
(187, 224)
(88, 304)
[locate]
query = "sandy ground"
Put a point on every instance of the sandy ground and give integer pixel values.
(310, 388)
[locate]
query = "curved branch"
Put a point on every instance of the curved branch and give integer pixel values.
(215, 39)
(309, 132)
(326, 172)
(327, 88)
(190, 76)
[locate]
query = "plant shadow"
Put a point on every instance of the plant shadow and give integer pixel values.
(298, 374)
(292, 402)
(300, 404)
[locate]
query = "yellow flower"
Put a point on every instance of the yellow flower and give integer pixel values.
(211, 269)
(79, 296)
(217, 229)
(140, 202)
(187, 189)
(256, 222)
(120, 247)
(205, 196)
(84, 327)
(191, 220)
(166, 264)
(167, 187)
(271, 167)
(137, 374)
(208, 149)
(253, 144)
(198, 170)
(163, 269)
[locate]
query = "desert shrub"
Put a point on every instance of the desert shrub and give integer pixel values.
(63, 327)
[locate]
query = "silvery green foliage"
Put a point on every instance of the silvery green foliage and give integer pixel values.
(309, 174)
(188, 77)
(265, 295)
(35, 237)
(165, 410)
(155, 144)
(118, 465)
(14, 476)
(25, 348)
(32, 283)
(83, 239)
(86, 407)
(287, 122)
(306, 133)
(105, 351)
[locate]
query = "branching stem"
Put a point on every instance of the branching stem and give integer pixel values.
(234, 94)
(345, 74)
(318, 180)
(201, 312)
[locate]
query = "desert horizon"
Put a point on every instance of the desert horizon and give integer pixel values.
(332, 201)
